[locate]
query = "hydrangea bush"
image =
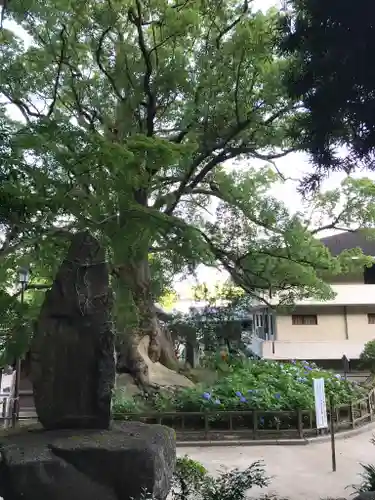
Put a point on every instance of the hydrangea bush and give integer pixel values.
(264, 385)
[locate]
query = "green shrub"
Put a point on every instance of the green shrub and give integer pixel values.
(265, 385)
(192, 482)
(367, 476)
(188, 478)
(367, 357)
(256, 384)
(234, 484)
(123, 403)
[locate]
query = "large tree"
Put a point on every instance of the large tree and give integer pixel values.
(332, 46)
(127, 113)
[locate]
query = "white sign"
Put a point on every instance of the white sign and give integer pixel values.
(320, 404)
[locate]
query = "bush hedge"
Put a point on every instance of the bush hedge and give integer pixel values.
(261, 384)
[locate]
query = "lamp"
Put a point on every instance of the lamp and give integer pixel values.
(23, 275)
(23, 279)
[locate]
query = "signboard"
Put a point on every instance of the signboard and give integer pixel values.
(320, 404)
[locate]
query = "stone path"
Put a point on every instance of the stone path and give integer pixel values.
(299, 472)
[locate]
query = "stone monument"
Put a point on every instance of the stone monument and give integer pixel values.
(79, 454)
(72, 352)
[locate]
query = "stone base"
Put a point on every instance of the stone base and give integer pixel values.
(117, 464)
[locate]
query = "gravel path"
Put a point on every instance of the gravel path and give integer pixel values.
(299, 472)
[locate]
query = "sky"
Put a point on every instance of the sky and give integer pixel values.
(294, 165)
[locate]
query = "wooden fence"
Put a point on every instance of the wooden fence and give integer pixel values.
(237, 425)
(256, 424)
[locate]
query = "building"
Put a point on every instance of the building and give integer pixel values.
(323, 331)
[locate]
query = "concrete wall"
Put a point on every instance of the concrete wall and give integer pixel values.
(331, 323)
(334, 323)
(284, 349)
(358, 326)
(340, 330)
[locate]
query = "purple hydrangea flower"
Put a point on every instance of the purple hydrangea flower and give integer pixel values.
(243, 400)
(239, 394)
(277, 395)
(338, 376)
(217, 402)
(206, 395)
(293, 361)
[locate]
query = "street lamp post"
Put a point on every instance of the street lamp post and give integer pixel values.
(23, 279)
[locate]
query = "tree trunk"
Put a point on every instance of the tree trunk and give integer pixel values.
(144, 347)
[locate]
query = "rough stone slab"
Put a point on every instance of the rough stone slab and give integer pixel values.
(72, 351)
(115, 464)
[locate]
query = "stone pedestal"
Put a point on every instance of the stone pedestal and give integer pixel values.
(115, 464)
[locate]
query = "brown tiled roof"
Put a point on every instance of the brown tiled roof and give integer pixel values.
(347, 240)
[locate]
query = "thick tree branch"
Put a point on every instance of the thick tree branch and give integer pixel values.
(227, 152)
(84, 118)
(275, 255)
(146, 54)
(241, 150)
(175, 197)
(230, 200)
(98, 55)
(240, 280)
(60, 63)
(24, 108)
(230, 26)
(333, 224)
(237, 87)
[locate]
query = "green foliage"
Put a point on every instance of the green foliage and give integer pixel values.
(15, 329)
(367, 357)
(263, 385)
(219, 321)
(123, 404)
(188, 478)
(330, 45)
(168, 300)
(125, 115)
(368, 477)
(191, 481)
(234, 484)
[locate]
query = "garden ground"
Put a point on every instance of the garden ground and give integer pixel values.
(299, 472)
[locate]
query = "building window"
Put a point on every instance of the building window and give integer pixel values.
(371, 318)
(305, 319)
